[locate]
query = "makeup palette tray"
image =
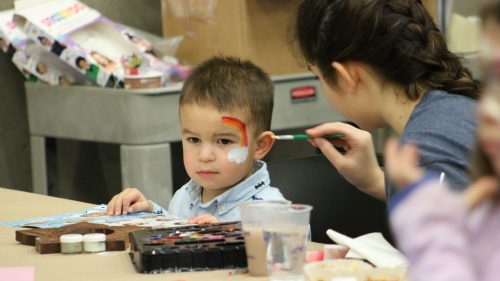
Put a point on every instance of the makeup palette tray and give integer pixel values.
(188, 248)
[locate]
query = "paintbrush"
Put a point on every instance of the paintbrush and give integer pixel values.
(306, 137)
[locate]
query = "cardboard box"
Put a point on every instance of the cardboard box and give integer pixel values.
(10, 35)
(258, 30)
(47, 67)
(34, 62)
(84, 39)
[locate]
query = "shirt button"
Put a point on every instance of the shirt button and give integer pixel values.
(222, 208)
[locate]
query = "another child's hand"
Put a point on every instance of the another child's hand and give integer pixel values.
(480, 190)
(401, 163)
(203, 219)
(130, 200)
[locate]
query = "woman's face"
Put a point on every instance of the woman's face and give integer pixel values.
(357, 107)
(335, 96)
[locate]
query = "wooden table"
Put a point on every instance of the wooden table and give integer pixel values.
(17, 205)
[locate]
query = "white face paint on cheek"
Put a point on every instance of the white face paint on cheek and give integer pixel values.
(238, 155)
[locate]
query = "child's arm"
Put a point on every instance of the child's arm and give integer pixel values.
(130, 200)
(203, 219)
(428, 218)
(428, 224)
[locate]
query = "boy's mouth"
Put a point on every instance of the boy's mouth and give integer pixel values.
(206, 173)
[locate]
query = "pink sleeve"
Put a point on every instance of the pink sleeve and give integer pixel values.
(429, 227)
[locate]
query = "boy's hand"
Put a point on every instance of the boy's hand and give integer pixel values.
(401, 163)
(130, 200)
(203, 219)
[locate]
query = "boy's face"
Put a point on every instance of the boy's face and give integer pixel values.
(212, 149)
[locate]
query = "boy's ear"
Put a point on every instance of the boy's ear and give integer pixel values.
(265, 142)
(347, 76)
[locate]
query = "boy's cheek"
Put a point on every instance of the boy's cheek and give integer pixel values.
(188, 164)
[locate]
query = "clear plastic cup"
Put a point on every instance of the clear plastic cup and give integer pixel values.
(285, 235)
(253, 213)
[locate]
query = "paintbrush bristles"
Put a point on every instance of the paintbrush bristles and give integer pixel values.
(283, 137)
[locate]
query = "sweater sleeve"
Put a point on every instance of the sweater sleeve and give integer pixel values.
(429, 226)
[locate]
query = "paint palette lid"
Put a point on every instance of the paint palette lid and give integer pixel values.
(70, 238)
(94, 237)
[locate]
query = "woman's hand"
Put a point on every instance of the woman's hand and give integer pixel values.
(358, 164)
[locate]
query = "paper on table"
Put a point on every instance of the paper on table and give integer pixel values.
(372, 247)
(24, 273)
(99, 215)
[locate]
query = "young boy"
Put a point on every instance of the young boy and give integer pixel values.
(225, 111)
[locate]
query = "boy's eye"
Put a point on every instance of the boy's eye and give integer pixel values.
(224, 141)
(193, 140)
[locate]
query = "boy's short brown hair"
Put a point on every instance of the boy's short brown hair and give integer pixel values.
(229, 83)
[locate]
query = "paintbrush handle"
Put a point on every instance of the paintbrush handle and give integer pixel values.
(307, 137)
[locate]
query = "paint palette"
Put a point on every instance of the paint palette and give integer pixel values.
(188, 248)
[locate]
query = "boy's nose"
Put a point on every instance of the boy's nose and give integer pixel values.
(206, 154)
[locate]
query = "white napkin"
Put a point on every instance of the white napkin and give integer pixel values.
(372, 247)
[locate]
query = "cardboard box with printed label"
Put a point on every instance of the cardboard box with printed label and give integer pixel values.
(82, 38)
(258, 30)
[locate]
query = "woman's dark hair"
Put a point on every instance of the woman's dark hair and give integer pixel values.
(397, 38)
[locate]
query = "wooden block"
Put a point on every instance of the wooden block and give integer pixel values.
(46, 240)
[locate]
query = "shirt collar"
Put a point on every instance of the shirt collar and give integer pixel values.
(242, 191)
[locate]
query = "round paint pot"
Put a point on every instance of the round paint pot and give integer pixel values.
(71, 243)
(94, 242)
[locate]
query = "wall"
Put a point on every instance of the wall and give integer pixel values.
(468, 8)
(15, 167)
